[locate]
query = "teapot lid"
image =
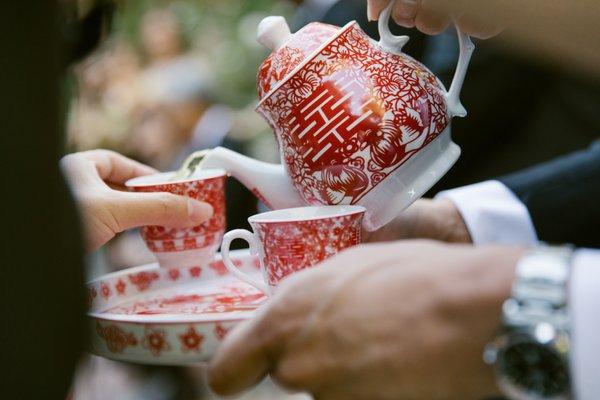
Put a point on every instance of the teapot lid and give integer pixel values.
(288, 50)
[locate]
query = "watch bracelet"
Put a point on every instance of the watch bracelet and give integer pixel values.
(539, 293)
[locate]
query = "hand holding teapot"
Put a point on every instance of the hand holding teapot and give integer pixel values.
(432, 17)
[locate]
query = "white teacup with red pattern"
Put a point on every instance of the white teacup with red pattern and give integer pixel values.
(293, 239)
(186, 247)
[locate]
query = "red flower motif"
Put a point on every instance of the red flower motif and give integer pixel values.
(350, 147)
(120, 287)
(155, 340)
(143, 280)
(357, 162)
(413, 129)
(219, 268)
(377, 177)
(191, 340)
(116, 339)
(384, 146)
(221, 331)
(195, 271)
(174, 274)
(388, 82)
(105, 290)
(303, 84)
(343, 181)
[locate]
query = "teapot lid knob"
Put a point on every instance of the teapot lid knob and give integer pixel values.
(273, 32)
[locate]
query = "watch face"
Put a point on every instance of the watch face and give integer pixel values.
(535, 368)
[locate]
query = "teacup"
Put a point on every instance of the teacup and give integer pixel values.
(185, 247)
(293, 239)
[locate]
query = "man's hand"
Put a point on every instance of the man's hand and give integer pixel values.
(425, 219)
(433, 17)
(406, 320)
(95, 176)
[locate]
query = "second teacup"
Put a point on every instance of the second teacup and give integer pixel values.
(293, 239)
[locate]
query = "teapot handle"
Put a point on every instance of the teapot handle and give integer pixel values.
(387, 39)
(394, 44)
(455, 107)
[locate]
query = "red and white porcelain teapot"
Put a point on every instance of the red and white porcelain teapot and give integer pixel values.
(357, 121)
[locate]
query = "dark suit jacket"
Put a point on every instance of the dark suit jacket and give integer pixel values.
(42, 299)
(563, 197)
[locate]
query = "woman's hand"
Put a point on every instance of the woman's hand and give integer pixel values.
(433, 17)
(406, 320)
(97, 181)
(425, 219)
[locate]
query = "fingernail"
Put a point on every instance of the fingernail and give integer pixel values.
(199, 211)
(370, 13)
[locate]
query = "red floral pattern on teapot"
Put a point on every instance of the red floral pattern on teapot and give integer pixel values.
(352, 115)
(357, 121)
(283, 61)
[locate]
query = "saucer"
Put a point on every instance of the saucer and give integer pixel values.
(170, 316)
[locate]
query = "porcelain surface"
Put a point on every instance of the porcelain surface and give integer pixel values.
(350, 118)
(169, 316)
(184, 246)
(288, 241)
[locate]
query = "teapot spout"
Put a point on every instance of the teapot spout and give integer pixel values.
(268, 182)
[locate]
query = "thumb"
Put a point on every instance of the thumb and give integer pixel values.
(165, 209)
(374, 8)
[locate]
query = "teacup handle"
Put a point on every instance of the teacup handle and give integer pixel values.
(251, 239)
(394, 44)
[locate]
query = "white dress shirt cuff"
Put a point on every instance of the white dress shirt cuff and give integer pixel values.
(584, 306)
(493, 214)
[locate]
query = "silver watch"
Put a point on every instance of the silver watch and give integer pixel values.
(530, 356)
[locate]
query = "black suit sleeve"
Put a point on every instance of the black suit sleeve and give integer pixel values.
(563, 197)
(42, 301)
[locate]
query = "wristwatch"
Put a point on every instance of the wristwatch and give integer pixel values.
(530, 356)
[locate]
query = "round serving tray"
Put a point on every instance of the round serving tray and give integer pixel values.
(174, 316)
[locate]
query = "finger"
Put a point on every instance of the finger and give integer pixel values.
(374, 8)
(474, 27)
(115, 168)
(121, 188)
(405, 12)
(430, 21)
(329, 394)
(302, 369)
(258, 345)
(240, 362)
(165, 209)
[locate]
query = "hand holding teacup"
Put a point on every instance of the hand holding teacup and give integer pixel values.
(95, 178)
(187, 246)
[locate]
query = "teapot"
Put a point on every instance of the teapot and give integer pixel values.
(357, 121)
